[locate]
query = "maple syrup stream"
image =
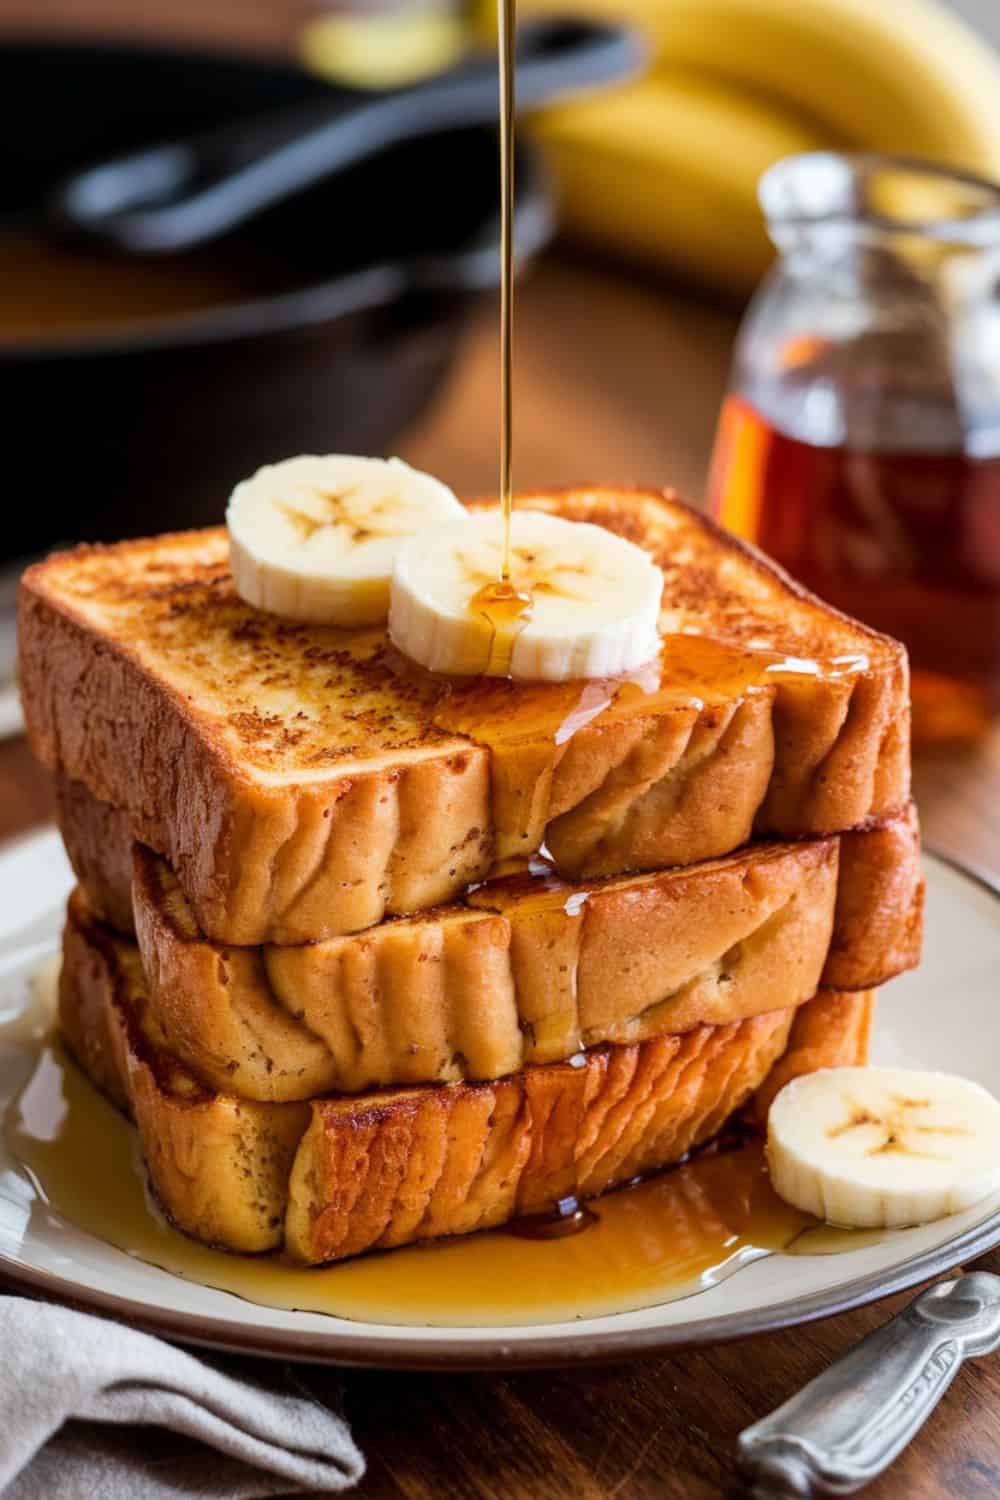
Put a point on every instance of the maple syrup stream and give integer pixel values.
(505, 608)
(507, 17)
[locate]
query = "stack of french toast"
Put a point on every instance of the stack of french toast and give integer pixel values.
(373, 956)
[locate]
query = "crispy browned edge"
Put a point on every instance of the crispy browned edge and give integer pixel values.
(479, 993)
(549, 1133)
(338, 1177)
(99, 843)
(877, 930)
(223, 832)
(880, 903)
(219, 1165)
(834, 1031)
(234, 1019)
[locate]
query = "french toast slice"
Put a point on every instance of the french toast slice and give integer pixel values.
(528, 970)
(336, 1177)
(531, 971)
(305, 782)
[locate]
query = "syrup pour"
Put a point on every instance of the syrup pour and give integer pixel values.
(507, 37)
(667, 1237)
(505, 608)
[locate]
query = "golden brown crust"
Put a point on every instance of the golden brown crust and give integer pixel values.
(833, 1031)
(528, 975)
(219, 1165)
(472, 1156)
(337, 1176)
(530, 970)
(91, 970)
(286, 772)
(259, 862)
(880, 904)
(98, 839)
(395, 1167)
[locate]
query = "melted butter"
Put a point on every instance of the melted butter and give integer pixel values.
(667, 1237)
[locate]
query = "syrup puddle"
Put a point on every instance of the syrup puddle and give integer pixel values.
(662, 1239)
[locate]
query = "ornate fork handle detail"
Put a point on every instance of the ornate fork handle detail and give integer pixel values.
(849, 1423)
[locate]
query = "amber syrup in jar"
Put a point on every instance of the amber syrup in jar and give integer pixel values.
(900, 529)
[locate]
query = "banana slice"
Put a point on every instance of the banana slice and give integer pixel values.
(883, 1148)
(314, 539)
(591, 607)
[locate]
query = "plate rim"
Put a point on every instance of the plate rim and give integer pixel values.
(409, 1351)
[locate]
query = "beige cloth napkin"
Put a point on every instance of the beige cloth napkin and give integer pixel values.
(92, 1408)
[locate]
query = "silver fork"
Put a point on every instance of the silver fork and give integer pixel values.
(846, 1426)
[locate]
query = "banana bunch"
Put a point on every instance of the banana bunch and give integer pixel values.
(666, 169)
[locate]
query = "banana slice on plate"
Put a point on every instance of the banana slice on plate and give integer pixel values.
(883, 1148)
(314, 539)
(589, 599)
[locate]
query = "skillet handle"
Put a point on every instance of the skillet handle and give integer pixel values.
(178, 194)
(851, 1422)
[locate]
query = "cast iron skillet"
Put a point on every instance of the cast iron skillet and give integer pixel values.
(141, 430)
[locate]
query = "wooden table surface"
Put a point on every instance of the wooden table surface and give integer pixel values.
(617, 379)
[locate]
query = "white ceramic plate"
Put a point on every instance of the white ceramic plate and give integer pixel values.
(945, 1016)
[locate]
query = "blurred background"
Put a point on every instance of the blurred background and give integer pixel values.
(824, 376)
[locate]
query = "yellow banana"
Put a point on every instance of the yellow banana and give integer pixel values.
(743, 82)
(666, 170)
(894, 75)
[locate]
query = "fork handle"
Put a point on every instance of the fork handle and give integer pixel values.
(846, 1426)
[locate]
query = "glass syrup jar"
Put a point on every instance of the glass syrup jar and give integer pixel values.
(859, 444)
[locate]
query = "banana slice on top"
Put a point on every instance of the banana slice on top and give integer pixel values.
(883, 1148)
(589, 600)
(314, 539)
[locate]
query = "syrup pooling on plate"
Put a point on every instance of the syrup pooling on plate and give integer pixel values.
(664, 1238)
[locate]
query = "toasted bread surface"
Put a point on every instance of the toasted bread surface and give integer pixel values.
(880, 903)
(531, 977)
(338, 1176)
(529, 969)
(522, 977)
(833, 1031)
(304, 782)
(99, 843)
(219, 1164)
